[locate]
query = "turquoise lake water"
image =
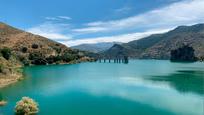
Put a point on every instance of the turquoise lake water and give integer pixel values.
(142, 87)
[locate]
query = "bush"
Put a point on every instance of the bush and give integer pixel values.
(26, 62)
(6, 53)
(68, 57)
(39, 61)
(37, 58)
(58, 50)
(53, 59)
(35, 46)
(1, 70)
(35, 55)
(26, 106)
(24, 49)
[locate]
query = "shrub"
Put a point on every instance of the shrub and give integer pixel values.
(35, 55)
(57, 44)
(24, 49)
(1, 70)
(26, 106)
(35, 46)
(58, 50)
(39, 61)
(52, 59)
(6, 53)
(68, 57)
(25, 62)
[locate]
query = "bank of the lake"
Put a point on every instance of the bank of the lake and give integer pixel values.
(10, 71)
(10, 79)
(13, 71)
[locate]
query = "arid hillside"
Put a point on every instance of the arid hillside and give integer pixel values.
(35, 49)
(19, 48)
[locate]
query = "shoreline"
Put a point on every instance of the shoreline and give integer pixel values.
(7, 80)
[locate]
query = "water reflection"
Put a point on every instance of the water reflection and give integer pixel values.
(1, 97)
(184, 81)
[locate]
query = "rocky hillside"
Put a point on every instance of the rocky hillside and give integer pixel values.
(34, 49)
(19, 48)
(159, 46)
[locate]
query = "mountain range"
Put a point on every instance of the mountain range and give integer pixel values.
(95, 47)
(158, 46)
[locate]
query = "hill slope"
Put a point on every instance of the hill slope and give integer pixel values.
(30, 48)
(158, 46)
(19, 48)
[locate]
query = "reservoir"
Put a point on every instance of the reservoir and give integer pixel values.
(141, 87)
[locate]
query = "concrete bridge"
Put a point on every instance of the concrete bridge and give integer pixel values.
(123, 59)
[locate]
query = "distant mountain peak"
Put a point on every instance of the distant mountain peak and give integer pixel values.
(95, 47)
(193, 28)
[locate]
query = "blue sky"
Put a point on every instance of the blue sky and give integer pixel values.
(73, 22)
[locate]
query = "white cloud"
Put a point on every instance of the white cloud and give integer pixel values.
(180, 13)
(58, 18)
(52, 18)
(117, 38)
(51, 30)
(123, 10)
(92, 29)
(65, 17)
(186, 12)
